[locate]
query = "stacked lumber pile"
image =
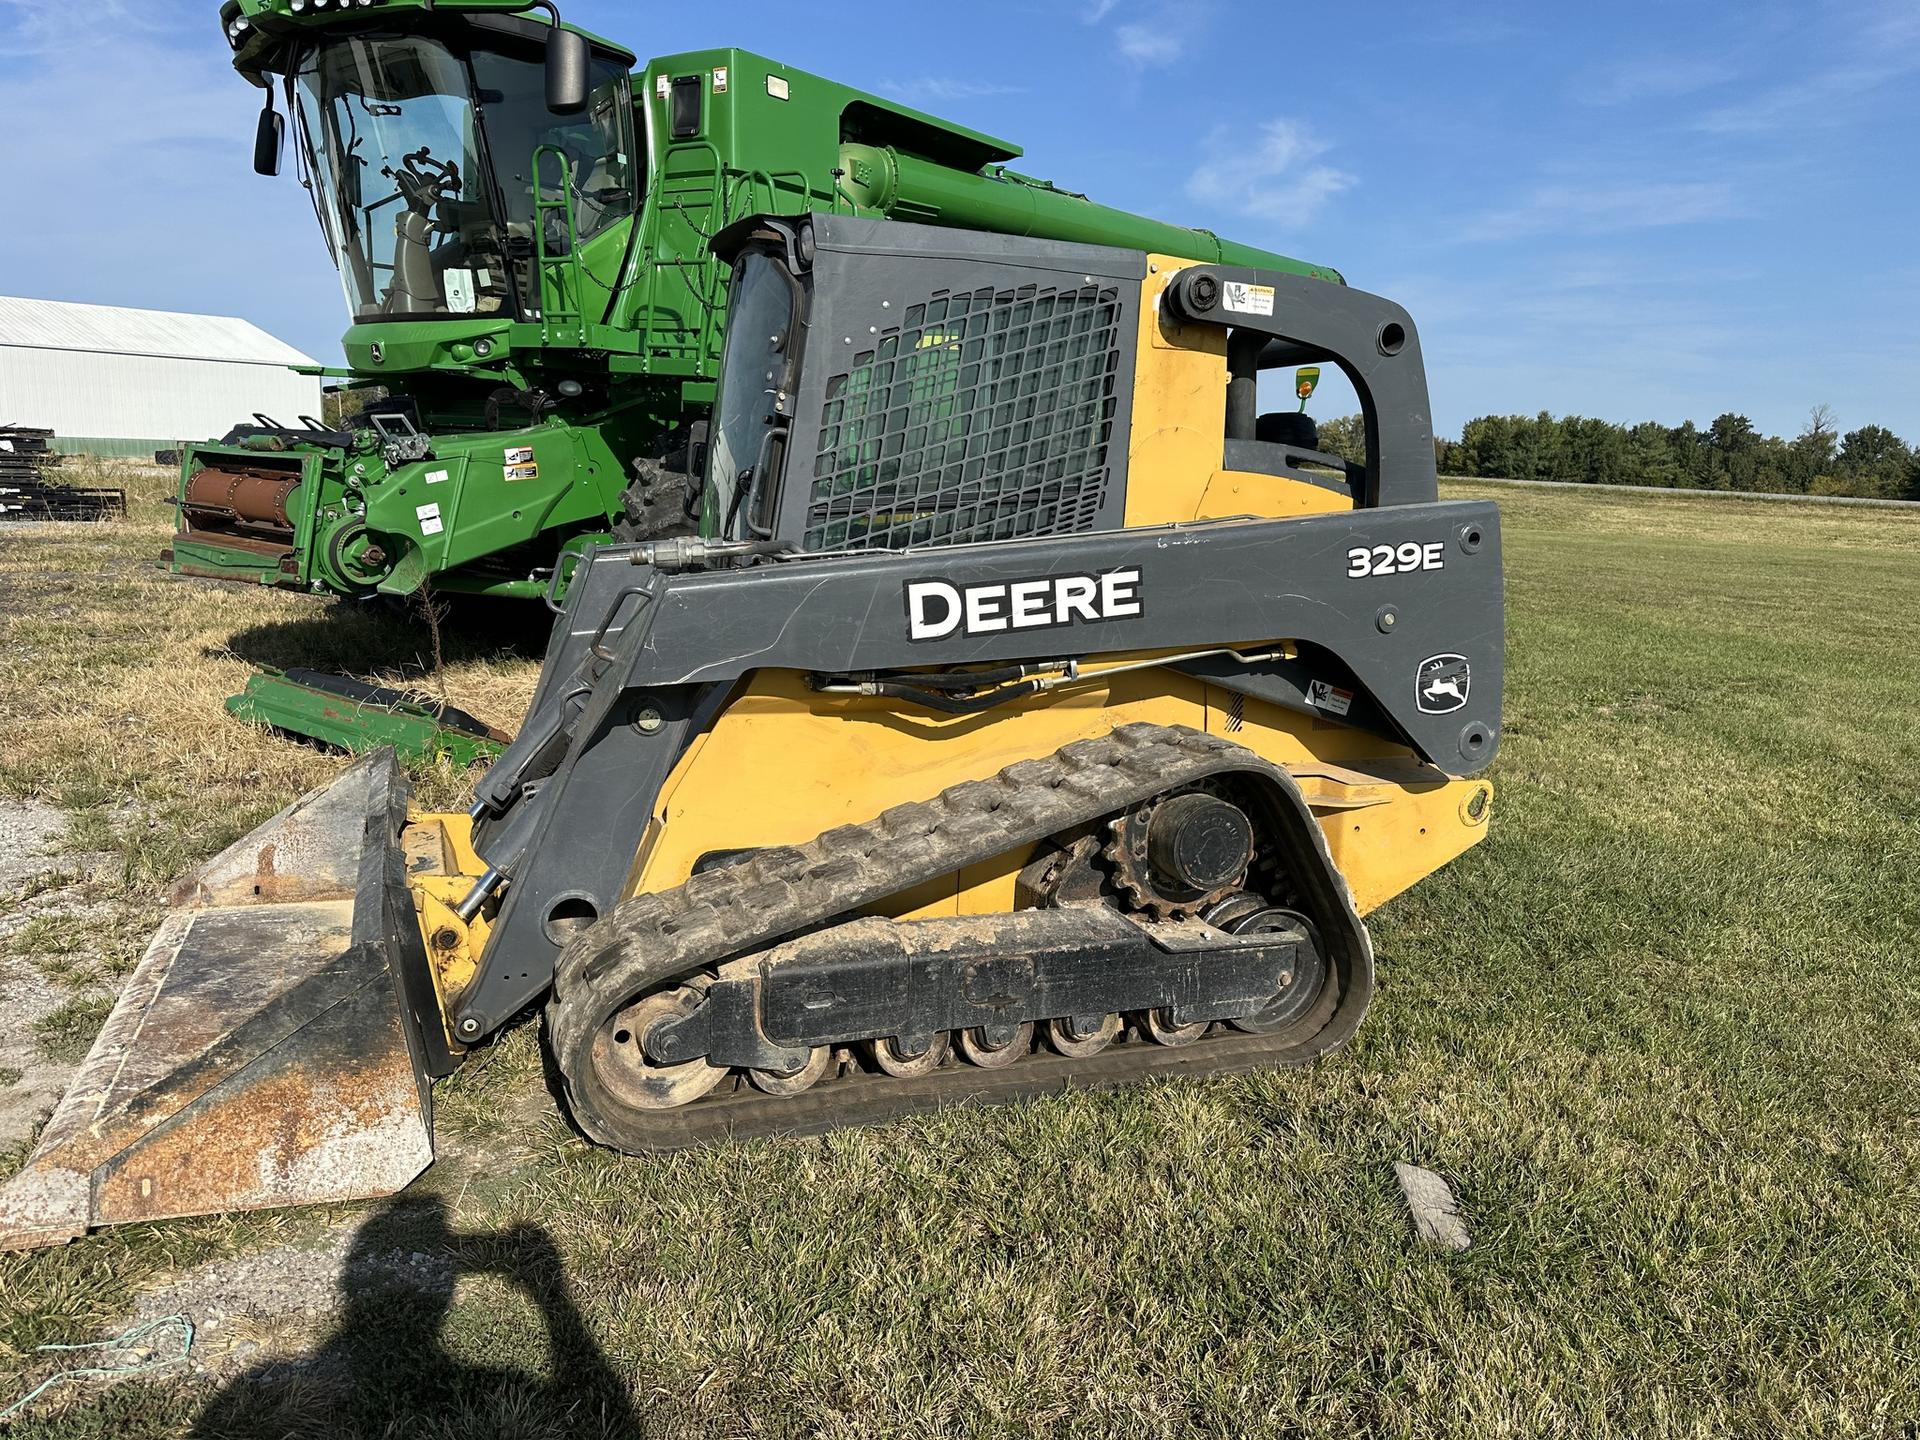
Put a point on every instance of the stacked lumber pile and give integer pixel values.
(27, 491)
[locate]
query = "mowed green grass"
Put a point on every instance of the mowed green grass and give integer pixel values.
(1659, 1031)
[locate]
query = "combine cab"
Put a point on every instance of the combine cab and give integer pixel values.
(1025, 716)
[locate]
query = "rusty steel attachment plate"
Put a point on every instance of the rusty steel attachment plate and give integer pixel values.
(264, 1052)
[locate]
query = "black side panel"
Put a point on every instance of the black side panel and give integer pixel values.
(572, 796)
(1386, 591)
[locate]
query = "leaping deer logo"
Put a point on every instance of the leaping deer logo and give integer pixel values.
(1443, 683)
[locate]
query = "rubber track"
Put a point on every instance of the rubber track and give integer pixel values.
(662, 936)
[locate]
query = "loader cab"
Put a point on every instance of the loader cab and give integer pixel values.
(881, 397)
(1284, 444)
(885, 386)
(438, 172)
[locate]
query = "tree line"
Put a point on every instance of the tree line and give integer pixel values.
(1729, 454)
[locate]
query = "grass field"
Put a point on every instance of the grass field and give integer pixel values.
(1659, 1031)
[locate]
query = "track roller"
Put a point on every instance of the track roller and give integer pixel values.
(991, 1046)
(819, 1061)
(1161, 1029)
(908, 1058)
(1079, 1037)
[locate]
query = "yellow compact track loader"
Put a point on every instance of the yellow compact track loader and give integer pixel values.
(1031, 712)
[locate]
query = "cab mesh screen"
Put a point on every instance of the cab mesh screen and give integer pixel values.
(985, 416)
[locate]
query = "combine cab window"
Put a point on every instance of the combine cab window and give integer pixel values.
(422, 165)
(598, 144)
(391, 135)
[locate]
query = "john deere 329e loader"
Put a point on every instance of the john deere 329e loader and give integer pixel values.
(1030, 712)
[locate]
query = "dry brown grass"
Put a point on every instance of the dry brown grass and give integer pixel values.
(113, 673)
(1657, 1030)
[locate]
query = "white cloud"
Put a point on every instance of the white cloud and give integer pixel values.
(1276, 176)
(1877, 46)
(147, 164)
(1591, 208)
(1149, 44)
(1657, 79)
(170, 88)
(943, 90)
(1151, 34)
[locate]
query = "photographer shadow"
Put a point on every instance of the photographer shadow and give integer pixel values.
(385, 1368)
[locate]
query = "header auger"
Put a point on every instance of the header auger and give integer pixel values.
(1021, 718)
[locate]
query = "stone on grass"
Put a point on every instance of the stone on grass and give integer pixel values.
(1436, 1214)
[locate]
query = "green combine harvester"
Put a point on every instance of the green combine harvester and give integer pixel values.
(521, 225)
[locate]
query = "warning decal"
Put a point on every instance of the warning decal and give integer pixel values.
(523, 472)
(429, 517)
(517, 454)
(1248, 299)
(1330, 698)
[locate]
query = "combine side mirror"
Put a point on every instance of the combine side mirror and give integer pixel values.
(266, 143)
(566, 71)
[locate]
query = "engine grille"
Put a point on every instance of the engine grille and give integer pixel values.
(987, 415)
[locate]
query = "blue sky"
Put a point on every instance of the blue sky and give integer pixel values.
(1635, 211)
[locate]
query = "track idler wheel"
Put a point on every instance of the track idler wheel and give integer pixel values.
(620, 1060)
(1249, 915)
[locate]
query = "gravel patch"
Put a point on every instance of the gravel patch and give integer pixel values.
(37, 1083)
(29, 833)
(273, 1307)
(37, 879)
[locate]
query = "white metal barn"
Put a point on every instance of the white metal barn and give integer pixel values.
(113, 381)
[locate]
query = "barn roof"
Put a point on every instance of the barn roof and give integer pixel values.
(115, 330)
